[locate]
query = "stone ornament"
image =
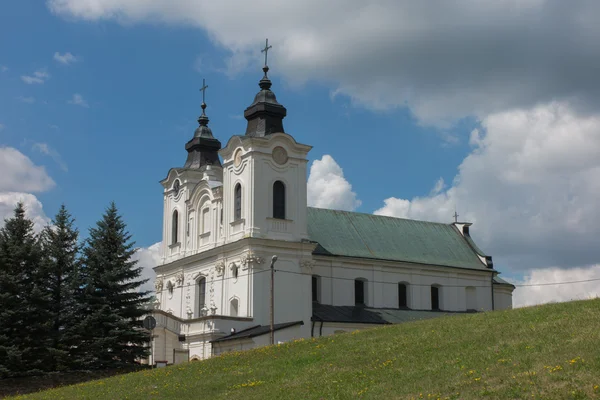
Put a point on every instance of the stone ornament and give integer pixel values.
(280, 155)
(179, 279)
(307, 266)
(158, 285)
(237, 159)
(220, 268)
(251, 259)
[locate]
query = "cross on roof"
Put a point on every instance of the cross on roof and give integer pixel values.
(455, 216)
(266, 50)
(203, 89)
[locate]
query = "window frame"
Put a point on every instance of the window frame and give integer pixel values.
(279, 200)
(175, 227)
(237, 202)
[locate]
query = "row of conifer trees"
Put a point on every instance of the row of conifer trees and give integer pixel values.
(68, 305)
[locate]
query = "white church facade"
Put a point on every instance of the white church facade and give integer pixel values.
(229, 210)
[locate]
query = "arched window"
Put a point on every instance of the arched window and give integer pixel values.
(316, 285)
(237, 202)
(201, 293)
(402, 295)
(174, 227)
(360, 292)
(279, 200)
(233, 307)
(471, 295)
(435, 298)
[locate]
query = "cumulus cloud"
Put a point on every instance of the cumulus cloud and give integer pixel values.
(443, 60)
(586, 285)
(33, 208)
(38, 77)
(531, 185)
(148, 258)
(20, 174)
(66, 58)
(78, 100)
(327, 187)
(44, 148)
(28, 100)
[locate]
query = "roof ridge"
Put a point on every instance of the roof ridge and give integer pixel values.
(383, 216)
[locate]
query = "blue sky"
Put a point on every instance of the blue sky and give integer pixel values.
(487, 108)
(141, 87)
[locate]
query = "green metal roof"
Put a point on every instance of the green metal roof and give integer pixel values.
(351, 234)
(365, 315)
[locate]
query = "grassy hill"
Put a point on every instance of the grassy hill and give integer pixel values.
(550, 352)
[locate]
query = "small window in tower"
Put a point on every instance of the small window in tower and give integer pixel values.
(201, 293)
(237, 203)
(234, 307)
(279, 200)
(174, 227)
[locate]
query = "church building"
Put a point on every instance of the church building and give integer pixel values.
(233, 212)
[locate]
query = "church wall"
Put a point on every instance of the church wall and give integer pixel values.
(502, 297)
(337, 284)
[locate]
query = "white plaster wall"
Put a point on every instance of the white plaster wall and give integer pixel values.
(337, 284)
(502, 297)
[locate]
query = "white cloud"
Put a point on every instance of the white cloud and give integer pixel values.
(531, 185)
(39, 77)
(78, 100)
(3, 68)
(20, 174)
(33, 208)
(148, 258)
(327, 187)
(443, 60)
(49, 151)
(527, 296)
(28, 100)
(66, 58)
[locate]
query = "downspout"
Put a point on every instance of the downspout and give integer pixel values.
(492, 286)
(321, 329)
(312, 329)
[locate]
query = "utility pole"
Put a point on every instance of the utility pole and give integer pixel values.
(273, 259)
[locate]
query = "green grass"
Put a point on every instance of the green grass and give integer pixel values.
(550, 352)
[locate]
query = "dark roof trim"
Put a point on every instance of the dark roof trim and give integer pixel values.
(327, 254)
(254, 331)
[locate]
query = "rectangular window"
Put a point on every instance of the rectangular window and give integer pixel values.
(315, 288)
(359, 292)
(402, 298)
(201, 293)
(435, 298)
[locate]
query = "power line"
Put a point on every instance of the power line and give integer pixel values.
(422, 284)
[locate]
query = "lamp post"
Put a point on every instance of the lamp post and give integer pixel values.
(273, 259)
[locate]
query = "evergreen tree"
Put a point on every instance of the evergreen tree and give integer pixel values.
(111, 329)
(62, 268)
(23, 299)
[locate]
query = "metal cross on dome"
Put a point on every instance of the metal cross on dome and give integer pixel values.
(203, 89)
(266, 50)
(455, 216)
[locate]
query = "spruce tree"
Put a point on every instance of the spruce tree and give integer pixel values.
(62, 268)
(24, 319)
(111, 329)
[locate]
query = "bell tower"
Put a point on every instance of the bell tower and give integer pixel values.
(264, 174)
